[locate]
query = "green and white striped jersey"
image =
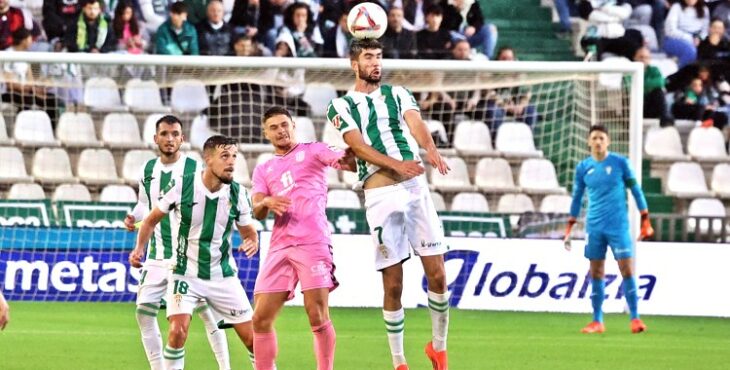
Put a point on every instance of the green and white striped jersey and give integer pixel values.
(155, 177)
(379, 117)
(205, 219)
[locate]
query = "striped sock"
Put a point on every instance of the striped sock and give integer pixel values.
(174, 358)
(151, 339)
(395, 323)
(438, 304)
(216, 337)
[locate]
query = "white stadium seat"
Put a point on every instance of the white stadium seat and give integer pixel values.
(72, 193)
(52, 166)
(516, 204)
(437, 128)
(134, 161)
(720, 182)
(102, 94)
(318, 96)
(514, 139)
(30, 191)
(200, 132)
(240, 171)
(33, 128)
(194, 154)
(555, 203)
(96, 166)
(12, 166)
(305, 130)
(537, 176)
(333, 179)
(686, 180)
(77, 130)
(494, 175)
(118, 193)
(705, 207)
(472, 138)
(707, 145)
(438, 201)
(263, 157)
(121, 130)
(456, 180)
(343, 198)
(331, 136)
(149, 130)
(143, 96)
(189, 96)
(664, 144)
(470, 202)
(349, 178)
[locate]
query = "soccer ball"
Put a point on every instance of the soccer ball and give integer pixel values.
(367, 21)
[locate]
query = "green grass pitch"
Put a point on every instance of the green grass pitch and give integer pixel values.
(105, 336)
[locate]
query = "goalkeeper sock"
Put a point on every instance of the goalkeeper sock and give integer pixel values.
(174, 358)
(216, 337)
(150, 330)
(597, 296)
(395, 326)
(265, 349)
(324, 345)
(632, 298)
(438, 305)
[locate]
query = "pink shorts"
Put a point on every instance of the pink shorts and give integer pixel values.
(284, 267)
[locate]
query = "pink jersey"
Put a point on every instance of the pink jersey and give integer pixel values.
(301, 176)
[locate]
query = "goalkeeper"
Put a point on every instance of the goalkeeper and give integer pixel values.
(607, 176)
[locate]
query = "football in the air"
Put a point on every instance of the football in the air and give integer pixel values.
(367, 21)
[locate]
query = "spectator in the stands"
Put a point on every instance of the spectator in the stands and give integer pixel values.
(130, 33)
(700, 101)
(301, 28)
(154, 13)
(565, 8)
(606, 32)
(398, 42)
(176, 36)
(247, 46)
(290, 83)
(464, 19)
(19, 87)
(434, 41)
(11, 20)
(92, 32)
(414, 13)
(58, 15)
(642, 19)
(197, 10)
(271, 19)
(245, 17)
(215, 36)
(687, 23)
(337, 40)
(655, 104)
(716, 45)
(722, 12)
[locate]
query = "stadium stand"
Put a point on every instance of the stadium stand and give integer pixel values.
(33, 129)
(77, 130)
(537, 176)
(664, 144)
(720, 182)
(12, 166)
(96, 167)
(30, 191)
(472, 138)
(121, 130)
(118, 193)
(494, 175)
(456, 180)
(515, 140)
(189, 96)
(134, 160)
(686, 180)
(707, 145)
(470, 202)
(52, 166)
(72, 192)
(102, 94)
(143, 96)
(343, 198)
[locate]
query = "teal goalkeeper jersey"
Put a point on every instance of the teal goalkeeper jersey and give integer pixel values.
(606, 182)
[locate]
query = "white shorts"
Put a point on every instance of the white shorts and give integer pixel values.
(402, 216)
(225, 296)
(153, 282)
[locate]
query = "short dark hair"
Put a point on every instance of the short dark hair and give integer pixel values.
(434, 9)
(217, 141)
(598, 127)
(178, 7)
(169, 119)
(20, 35)
(84, 3)
(275, 111)
(358, 45)
(505, 48)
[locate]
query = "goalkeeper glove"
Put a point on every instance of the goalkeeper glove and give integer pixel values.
(568, 230)
(646, 230)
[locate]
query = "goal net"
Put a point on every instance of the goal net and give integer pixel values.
(516, 112)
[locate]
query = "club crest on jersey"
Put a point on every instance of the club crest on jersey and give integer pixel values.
(608, 170)
(383, 250)
(299, 157)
